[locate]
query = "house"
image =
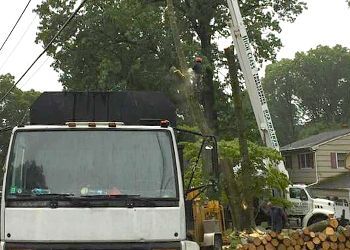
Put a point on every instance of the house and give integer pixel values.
(320, 161)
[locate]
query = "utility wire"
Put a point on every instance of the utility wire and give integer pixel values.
(46, 48)
(17, 44)
(35, 72)
(13, 28)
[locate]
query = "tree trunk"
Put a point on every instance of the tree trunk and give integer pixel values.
(208, 91)
(247, 168)
(191, 99)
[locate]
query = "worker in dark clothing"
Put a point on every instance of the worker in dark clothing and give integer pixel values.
(278, 218)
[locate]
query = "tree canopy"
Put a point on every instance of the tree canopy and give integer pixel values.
(14, 110)
(311, 91)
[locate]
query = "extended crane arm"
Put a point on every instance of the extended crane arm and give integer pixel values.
(252, 80)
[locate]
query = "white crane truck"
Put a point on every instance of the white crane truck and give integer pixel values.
(89, 173)
(306, 210)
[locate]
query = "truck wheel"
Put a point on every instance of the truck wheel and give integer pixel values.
(316, 218)
(217, 242)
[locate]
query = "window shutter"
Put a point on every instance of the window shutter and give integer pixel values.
(299, 161)
(333, 160)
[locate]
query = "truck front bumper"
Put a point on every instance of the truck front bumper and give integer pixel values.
(178, 245)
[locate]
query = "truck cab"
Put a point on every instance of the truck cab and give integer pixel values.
(92, 185)
(306, 210)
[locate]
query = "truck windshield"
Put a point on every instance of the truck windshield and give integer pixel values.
(90, 163)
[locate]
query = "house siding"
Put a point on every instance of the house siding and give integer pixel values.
(323, 157)
(330, 194)
(302, 176)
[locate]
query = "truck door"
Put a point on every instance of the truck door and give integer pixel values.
(300, 200)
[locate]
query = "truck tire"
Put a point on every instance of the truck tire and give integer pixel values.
(316, 218)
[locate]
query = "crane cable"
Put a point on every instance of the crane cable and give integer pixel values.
(13, 28)
(45, 49)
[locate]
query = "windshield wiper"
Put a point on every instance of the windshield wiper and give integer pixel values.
(54, 195)
(131, 200)
(112, 196)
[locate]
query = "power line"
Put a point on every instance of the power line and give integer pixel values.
(17, 44)
(19, 18)
(35, 72)
(46, 48)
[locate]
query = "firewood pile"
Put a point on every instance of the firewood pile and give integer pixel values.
(327, 234)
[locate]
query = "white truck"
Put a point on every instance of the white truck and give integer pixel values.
(305, 210)
(74, 182)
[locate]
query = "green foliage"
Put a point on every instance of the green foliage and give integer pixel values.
(264, 177)
(277, 180)
(14, 110)
(310, 92)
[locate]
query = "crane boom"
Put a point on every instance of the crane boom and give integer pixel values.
(252, 80)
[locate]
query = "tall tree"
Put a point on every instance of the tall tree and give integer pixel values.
(311, 90)
(280, 84)
(119, 44)
(13, 110)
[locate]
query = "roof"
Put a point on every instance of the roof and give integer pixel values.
(315, 140)
(341, 181)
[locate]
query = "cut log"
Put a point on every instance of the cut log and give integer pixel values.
(326, 245)
(297, 247)
(295, 235)
(273, 234)
(341, 246)
(264, 241)
(319, 226)
(316, 240)
(346, 232)
(306, 238)
(290, 248)
(312, 234)
(341, 238)
(268, 237)
(261, 247)
(347, 243)
(293, 242)
(281, 247)
(333, 223)
(269, 246)
(286, 242)
(329, 231)
(280, 237)
(306, 231)
(257, 241)
(252, 246)
(274, 242)
(300, 241)
(333, 238)
(310, 245)
(322, 236)
(334, 246)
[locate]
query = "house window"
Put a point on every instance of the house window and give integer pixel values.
(306, 160)
(338, 160)
(288, 161)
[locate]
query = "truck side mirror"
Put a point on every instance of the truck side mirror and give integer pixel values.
(303, 196)
(210, 158)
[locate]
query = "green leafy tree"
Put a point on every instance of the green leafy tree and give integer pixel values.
(309, 94)
(111, 45)
(324, 83)
(126, 44)
(236, 191)
(14, 110)
(280, 83)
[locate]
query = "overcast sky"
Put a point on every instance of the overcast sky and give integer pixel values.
(325, 22)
